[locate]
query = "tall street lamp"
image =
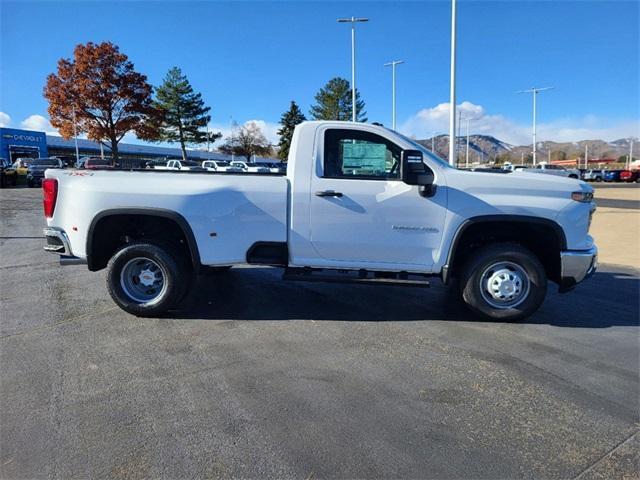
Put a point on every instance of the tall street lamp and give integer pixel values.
(393, 64)
(353, 21)
(452, 89)
(75, 136)
(534, 91)
(467, 155)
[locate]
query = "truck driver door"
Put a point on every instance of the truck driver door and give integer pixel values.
(362, 212)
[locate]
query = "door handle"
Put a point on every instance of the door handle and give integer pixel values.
(328, 193)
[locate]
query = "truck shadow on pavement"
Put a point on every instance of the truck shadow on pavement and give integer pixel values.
(609, 298)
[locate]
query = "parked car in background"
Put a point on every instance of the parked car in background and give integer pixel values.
(35, 172)
(250, 167)
(554, 170)
(83, 160)
(219, 166)
(98, 164)
(593, 176)
(8, 174)
(67, 160)
(180, 165)
(612, 175)
(630, 176)
(21, 165)
(279, 167)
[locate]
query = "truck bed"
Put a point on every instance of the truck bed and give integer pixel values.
(227, 212)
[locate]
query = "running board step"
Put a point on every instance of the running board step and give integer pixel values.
(354, 276)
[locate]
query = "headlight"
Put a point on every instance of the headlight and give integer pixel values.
(583, 197)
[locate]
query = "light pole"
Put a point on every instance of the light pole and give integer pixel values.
(353, 21)
(393, 64)
(75, 136)
(467, 156)
(630, 152)
(458, 136)
(534, 91)
(452, 89)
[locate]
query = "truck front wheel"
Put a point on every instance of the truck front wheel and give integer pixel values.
(503, 282)
(146, 279)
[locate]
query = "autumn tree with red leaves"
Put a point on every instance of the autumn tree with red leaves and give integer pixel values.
(108, 96)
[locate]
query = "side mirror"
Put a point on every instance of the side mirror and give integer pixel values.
(414, 171)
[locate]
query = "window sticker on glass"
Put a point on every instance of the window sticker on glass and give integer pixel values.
(363, 156)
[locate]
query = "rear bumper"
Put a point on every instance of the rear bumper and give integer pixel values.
(576, 266)
(58, 242)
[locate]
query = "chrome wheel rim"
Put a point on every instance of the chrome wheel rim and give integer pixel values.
(504, 285)
(143, 280)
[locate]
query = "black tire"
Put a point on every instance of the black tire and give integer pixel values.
(598, 179)
(573, 176)
(477, 274)
(173, 268)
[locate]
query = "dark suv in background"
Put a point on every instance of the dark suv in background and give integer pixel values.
(35, 172)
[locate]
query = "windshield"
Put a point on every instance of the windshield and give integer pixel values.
(424, 150)
(45, 162)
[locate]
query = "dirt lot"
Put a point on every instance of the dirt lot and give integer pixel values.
(616, 225)
(258, 378)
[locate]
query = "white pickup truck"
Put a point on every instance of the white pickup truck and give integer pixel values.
(360, 203)
(558, 170)
(220, 166)
(179, 165)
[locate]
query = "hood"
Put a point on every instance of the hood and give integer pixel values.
(516, 183)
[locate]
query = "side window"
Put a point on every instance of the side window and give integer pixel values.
(358, 154)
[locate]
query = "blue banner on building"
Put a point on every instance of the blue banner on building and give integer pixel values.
(15, 143)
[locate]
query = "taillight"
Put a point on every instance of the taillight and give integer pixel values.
(49, 195)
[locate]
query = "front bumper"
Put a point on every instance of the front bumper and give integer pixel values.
(576, 266)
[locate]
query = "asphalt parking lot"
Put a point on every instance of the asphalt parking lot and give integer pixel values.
(258, 378)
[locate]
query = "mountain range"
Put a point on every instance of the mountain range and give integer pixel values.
(488, 149)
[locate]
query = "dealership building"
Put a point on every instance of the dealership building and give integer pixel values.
(15, 143)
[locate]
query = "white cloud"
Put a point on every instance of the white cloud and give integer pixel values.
(39, 123)
(5, 120)
(435, 120)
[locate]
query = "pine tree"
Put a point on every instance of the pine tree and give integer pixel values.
(289, 120)
(333, 102)
(181, 113)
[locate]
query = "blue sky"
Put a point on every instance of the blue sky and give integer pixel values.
(249, 59)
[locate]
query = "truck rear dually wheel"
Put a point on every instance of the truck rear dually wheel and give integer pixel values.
(503, 282)
(147, 279)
